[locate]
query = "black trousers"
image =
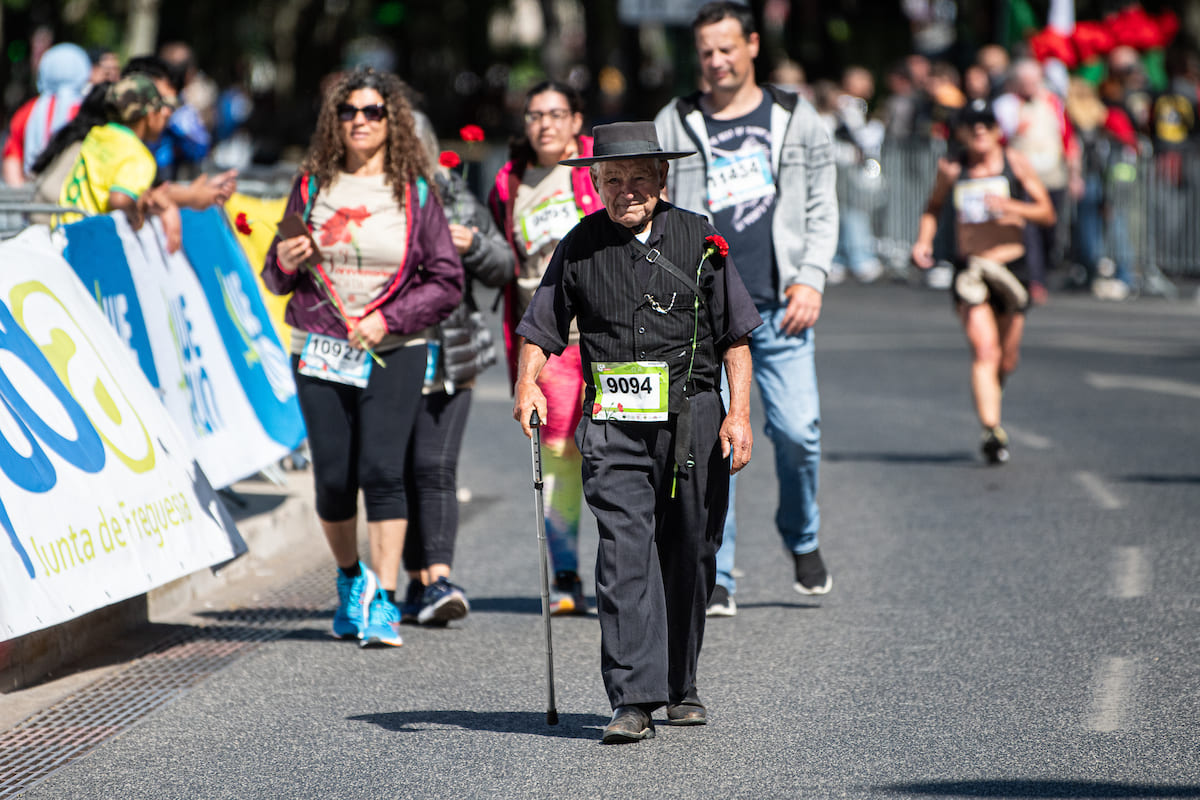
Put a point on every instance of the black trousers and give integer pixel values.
(431, 479)
(656, 562)
(358, 437)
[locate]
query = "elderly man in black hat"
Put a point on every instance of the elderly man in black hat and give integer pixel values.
(660, 307)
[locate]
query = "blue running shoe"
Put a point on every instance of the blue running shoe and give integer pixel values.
(383, 624)
(414, 598)
(444, 601)
(354, 598)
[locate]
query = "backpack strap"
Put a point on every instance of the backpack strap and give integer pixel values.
(308, 193)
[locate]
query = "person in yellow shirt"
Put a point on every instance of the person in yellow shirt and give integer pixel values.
(115, 170)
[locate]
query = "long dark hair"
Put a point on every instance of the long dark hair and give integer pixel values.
(405, 161)
(91, 113)
(520, 149)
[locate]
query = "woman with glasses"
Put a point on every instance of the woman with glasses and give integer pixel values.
(370, 267)
(536, 201)
(994, 194)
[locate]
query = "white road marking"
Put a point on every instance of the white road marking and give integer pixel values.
(1131, 572)
(1095, 486)
(1145, 383)
(1112, 693)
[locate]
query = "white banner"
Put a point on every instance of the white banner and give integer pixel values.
(101, 498)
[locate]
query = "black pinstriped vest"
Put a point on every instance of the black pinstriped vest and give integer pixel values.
(623, 318)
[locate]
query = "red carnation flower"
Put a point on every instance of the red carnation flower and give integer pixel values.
(471, 133)
(243, 224)
(449, 159)
(717, 241)
(595, 409)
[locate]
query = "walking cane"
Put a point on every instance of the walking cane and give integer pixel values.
(540, 515)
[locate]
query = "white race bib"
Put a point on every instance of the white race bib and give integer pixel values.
(631, 391)
(548, 222)
(334, 360)
(970, 198)
(743, 179)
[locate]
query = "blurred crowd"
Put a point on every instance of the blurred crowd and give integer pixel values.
(1086, 136)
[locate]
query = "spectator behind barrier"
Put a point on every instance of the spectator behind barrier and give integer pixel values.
(63, 75)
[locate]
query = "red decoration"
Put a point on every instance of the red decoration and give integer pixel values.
(718, 242)
(471, 133)
(1049, 43)
(1132, 26)
(595, 409)
(449, 159)
(1092, 39)
(242, 223)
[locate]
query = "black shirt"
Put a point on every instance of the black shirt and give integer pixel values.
(629, 309)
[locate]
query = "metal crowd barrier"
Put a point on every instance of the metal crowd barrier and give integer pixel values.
(1152, 209)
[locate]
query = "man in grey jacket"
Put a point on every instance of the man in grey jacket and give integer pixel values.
(767, 181)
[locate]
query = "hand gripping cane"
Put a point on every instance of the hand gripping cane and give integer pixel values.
(540, 515)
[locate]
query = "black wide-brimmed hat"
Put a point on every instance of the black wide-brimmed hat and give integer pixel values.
(620, 140)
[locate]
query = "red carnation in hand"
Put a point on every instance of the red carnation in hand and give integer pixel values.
(449, 159)
(718, 242)
(243, 224)
(471, 133)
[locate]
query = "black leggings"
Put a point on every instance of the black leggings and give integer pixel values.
(358, 436)
(431, 478)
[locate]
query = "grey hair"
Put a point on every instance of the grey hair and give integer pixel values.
(594, 169)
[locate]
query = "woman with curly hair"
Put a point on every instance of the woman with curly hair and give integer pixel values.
(374, 270)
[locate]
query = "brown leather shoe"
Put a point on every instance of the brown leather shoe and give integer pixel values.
(687, 714)
(629, 724)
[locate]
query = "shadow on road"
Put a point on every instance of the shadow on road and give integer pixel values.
(958, 457)
(1161, 479)
(570, 726)
(1035, 788)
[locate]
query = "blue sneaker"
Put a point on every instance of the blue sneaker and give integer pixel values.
(354, 597)
(443, 602)
(383, 623)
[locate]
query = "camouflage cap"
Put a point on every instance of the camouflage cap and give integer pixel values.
(132, 98)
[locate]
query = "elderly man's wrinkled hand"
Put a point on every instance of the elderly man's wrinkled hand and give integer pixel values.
(529, 397)
(737, 440)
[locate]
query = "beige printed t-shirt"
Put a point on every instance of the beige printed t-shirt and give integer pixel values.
(363, 238)
(544, 211)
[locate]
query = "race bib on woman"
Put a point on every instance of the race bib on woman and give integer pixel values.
(334, 360)
(548, 222)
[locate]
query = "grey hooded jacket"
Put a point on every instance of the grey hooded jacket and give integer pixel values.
(804, 231)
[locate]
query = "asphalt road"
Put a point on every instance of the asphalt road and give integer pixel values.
(1031, 630)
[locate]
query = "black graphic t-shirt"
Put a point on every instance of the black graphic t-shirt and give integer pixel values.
(741, 195)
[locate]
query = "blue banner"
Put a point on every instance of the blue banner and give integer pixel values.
(98, 258)
(262, 365)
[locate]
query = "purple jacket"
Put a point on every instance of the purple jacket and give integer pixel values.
(427, 287)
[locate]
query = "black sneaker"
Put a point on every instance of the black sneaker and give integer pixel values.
(995, 445)
(566, 595)
(444, 601)
(811, 575)
(721, 603)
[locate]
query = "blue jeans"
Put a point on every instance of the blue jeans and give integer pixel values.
(785, 371)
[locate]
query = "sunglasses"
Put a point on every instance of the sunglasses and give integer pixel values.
(371, 113)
